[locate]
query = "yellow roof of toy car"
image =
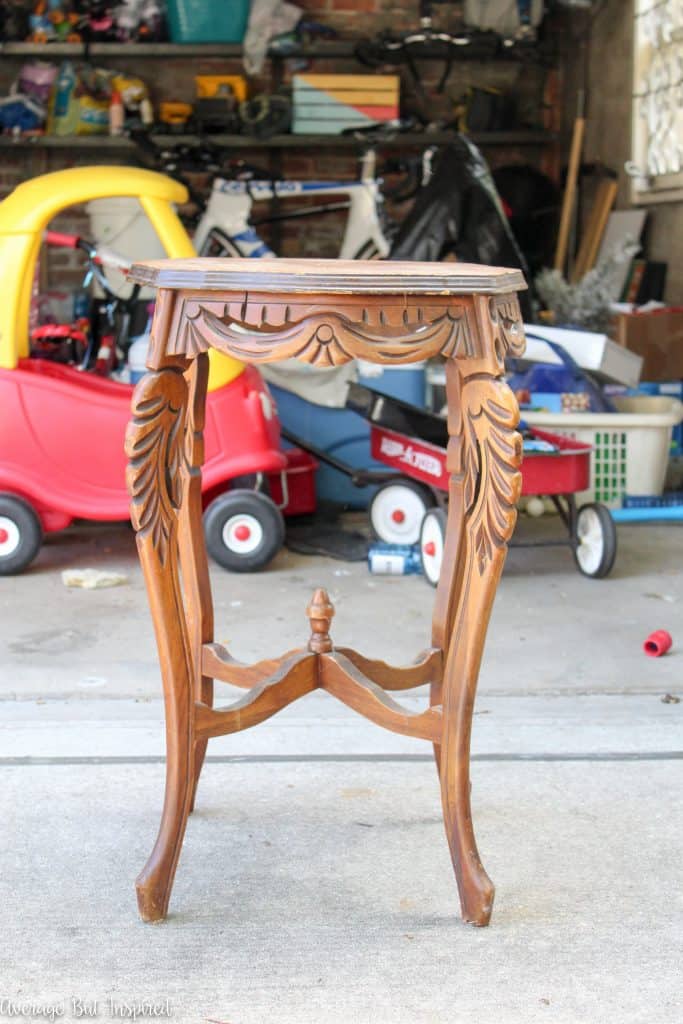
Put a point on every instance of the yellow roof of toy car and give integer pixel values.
(32, 204)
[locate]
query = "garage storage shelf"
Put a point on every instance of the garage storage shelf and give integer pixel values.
(521, 138)
(322, 51)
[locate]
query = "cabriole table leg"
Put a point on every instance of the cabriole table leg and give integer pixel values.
(484, 454)
(155, 447)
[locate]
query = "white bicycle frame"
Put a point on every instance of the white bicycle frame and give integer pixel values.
(228, 212)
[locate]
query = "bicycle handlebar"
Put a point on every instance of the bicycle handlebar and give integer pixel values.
(63, 240)
(100, 254)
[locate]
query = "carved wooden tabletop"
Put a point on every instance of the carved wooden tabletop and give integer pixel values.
(327, 312)
(324, 312)
(333, 277)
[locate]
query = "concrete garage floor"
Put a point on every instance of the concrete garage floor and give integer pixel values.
(315, 884)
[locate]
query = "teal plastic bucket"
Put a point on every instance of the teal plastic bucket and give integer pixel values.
(207, 21)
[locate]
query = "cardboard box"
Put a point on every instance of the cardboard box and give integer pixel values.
(327, 104)
(657, 337)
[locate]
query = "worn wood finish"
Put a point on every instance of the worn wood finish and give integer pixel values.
(284, 278)
(218, 663)
(343, 680)
(484, 455)
(192, 551)
(427, 668)
(324, 313)
(295, 677)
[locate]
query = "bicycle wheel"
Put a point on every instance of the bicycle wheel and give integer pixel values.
(368, 251)
(217, 243)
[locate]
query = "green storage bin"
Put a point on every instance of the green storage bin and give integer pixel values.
(207, 21)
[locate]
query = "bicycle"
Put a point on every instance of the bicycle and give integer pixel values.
(227, 227)
(98, 342)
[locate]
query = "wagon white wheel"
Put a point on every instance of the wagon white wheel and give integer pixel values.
(596, 540)
(432, 534)
(397, 510)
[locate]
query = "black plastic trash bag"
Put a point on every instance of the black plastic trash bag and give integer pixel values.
(532, 203)
(459, 212)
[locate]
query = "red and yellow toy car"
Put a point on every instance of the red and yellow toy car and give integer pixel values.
(62, 429)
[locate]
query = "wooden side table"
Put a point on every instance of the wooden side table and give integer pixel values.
(324, 312)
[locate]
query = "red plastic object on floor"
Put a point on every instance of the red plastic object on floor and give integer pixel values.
(658, 643)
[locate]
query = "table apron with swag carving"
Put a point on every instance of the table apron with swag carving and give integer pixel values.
(473, 330)
(328, 331)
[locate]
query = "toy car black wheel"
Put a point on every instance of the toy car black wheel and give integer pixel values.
(595, 543)
(244, 530)
(397, 510)
(20, 535)
(432, 536)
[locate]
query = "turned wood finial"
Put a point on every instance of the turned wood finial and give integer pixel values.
(320, 612)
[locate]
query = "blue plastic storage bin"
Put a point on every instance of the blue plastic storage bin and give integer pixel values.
(207, 21)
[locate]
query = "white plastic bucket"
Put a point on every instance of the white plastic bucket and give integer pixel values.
(630, 447)
(123, 225)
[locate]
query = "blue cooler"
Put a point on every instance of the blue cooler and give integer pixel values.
(344, 434)
(407, 382)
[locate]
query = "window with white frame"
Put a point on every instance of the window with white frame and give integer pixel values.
(657, 146)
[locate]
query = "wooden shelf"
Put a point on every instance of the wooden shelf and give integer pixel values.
(85, 142)
(234, 50)
(323, 51)
(66, 142)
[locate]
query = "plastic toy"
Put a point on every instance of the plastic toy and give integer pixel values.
(97, 24)
(42, 28)
(53, 20)
(138, 19)
(175, 114)
(658, 643)
(62, 430)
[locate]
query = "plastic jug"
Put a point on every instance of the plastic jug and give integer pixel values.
(137, 357)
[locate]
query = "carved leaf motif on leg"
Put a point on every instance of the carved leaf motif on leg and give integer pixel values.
(507, 324)
(491, 459)
(154, 445)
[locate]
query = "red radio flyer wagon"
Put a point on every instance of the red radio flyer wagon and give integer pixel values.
(411, 507)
